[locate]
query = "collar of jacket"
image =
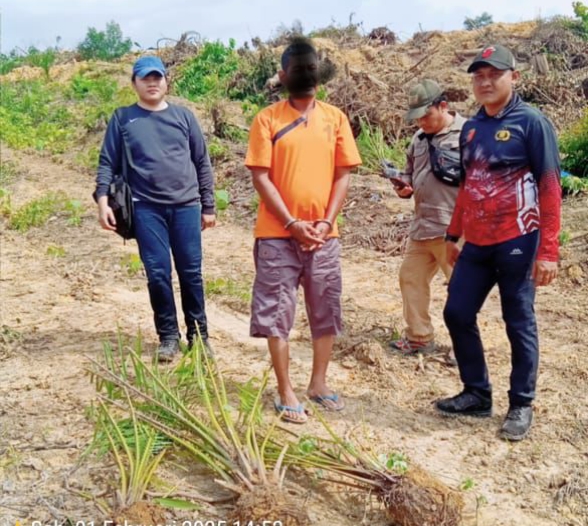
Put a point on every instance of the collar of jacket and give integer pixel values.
(514, 102)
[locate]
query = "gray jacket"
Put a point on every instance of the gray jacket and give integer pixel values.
(434, 201)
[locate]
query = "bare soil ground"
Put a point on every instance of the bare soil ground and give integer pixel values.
(57, 311)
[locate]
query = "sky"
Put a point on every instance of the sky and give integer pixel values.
(40, 22)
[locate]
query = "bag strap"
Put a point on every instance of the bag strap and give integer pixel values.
(127, 159)
(287, 129)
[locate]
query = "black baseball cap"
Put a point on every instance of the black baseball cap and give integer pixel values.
(494, 55)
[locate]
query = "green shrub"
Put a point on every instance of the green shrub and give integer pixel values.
(255, 68)
(75, 210)
(41, 59)
(222, 199)
(32, 117)
(10, 62)
(131, 264)
(104, 45)
(97, 95)
(250, 110)
(580, 25)
(572, 185)
(218, 151)
(209, 72)
(89, 157)
(35, 213)
(373, 148)
(574, 148)
(8, 171)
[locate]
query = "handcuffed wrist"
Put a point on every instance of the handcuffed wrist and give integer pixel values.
(327, 221)
(290, 223)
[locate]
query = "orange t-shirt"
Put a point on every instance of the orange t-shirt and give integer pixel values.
(301, 160)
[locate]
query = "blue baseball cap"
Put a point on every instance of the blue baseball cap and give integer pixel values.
(149, 64)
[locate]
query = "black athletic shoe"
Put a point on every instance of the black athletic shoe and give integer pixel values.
(466, 403)
(167, 350)
(517, 423)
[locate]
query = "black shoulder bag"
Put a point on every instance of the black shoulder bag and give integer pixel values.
(120, 198)
(445, 164)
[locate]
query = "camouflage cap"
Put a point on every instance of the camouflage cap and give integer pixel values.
(420, 97)
(493, 55)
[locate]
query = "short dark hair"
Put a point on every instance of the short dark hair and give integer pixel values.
(299, 45)
(438, 100)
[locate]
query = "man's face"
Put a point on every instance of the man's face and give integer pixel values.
(493, 87)
(152, 88)
(434, 120)
(301, 76)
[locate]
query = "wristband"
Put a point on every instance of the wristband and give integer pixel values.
(325, 221)
(453, 239)
(290, 223)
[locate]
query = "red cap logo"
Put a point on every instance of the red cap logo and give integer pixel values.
(488, 52)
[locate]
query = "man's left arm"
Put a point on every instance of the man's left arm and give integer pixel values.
(201, 160)
(544, 159)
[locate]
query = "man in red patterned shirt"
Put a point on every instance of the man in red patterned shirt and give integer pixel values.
(508, 210)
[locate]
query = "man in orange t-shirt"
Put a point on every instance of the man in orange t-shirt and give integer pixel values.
(301, 153)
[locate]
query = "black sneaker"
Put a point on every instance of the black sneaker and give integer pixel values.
(167, 350)
(517, 423)
(466, 403)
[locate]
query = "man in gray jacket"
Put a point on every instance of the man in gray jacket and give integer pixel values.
(434, 197)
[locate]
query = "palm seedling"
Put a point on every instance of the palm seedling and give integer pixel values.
(189, 405)
(410, 495)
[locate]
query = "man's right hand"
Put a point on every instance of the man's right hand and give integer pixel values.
(405, 191)
(105, 214)
(306, 234)
(452, 251)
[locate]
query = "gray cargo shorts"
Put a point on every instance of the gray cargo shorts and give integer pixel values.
(281, 266)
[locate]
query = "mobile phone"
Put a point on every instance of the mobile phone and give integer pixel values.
(390, 172)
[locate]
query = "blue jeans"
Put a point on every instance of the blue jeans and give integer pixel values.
(159, 229)
(477, 270)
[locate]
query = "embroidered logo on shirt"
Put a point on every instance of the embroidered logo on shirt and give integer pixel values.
(516, 252)
(502, 135)
(471, 134)
(133, 120)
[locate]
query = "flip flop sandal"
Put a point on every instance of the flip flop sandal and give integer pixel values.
(323, 401)
(283, 409)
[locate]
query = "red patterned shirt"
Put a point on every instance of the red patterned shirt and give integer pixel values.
(511, 179)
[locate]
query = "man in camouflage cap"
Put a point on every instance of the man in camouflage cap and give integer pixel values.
(434, 199)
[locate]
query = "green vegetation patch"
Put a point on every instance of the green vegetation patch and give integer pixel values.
(32, 115)
(37, 212)
(373, 148)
